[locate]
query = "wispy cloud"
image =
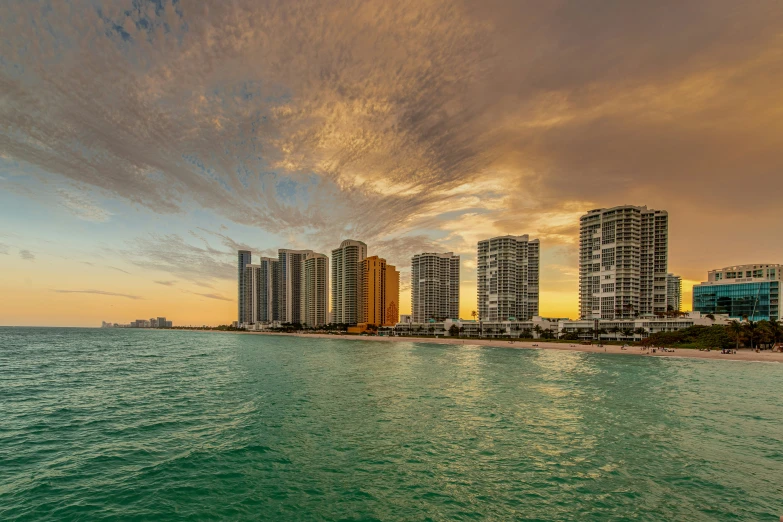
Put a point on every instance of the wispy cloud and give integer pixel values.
(4, 250)
(213, 296)
(166, 283)
(82, 207)
(98, 292)
(118, 269)
(27, 255)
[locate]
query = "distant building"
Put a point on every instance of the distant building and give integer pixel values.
(290, 284)
(160, 322)
(380, 292)
(623, 261)
(507, 278)
(741, 291)
(244, 258)
(406, 319)
(347, 297)
(434, 287)
(673, 292)
(314, 290)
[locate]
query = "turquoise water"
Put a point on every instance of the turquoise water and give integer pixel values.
(162, 425)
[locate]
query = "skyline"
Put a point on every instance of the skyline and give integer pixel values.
(143, 143)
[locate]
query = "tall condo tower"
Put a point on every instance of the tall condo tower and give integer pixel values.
(380, 292)
(290, 284)
(243, 259)
(315, 290)
(434, 287)
(507, 278)
(261, 282)
(623, 261)
(347, 281)
(674, 292)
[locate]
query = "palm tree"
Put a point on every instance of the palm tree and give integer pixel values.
(591, 333)
(627, 332)
(735, 327)
(751, 327)
(641, 332)
(774, 327)
(537, 329)
(601, 331)
(615, 330)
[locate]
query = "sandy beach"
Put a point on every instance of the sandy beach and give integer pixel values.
(743, 354)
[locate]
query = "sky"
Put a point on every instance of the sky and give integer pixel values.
(142, 142)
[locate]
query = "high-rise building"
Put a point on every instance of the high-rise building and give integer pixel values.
(290, 284)
(243, 259)
(262, 290)
(623, 261)
(160, 322)
(507, 278)
(347, 281)
(314, 307)
(434, 287)
(380, 292)
(741, 291)
(673, 293)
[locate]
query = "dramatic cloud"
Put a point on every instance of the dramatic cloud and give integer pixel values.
(399, 122)
(97, 292)
(27, 255)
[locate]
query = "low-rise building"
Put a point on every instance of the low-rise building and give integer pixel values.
(542, 328)
(742, 291)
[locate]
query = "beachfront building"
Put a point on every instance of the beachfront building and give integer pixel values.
(314, 302)
(673, 293)
(742, 291)
(434, 287)
(623, 260)
(549, 328)
(261, 293)
(380, 292)
(289, 303)
(507, 278)
(243, 259)
(347, 299)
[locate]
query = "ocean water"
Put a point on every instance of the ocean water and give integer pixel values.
(164, 425)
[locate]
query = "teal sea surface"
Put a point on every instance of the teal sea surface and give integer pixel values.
(167, 425)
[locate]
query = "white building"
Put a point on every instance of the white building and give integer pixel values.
(542, 328)
(347, 281)
(244, 258)
(290, 284)
(623, 260)
(507, 278)
(673, 292)
(434, 287)
(262, 289)
(315, 290)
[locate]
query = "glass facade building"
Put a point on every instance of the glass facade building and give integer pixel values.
(757, 300)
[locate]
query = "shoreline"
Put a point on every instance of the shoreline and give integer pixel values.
(743, 354)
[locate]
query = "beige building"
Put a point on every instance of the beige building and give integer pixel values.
(380, 292)
(623, 260)
(347, 281)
